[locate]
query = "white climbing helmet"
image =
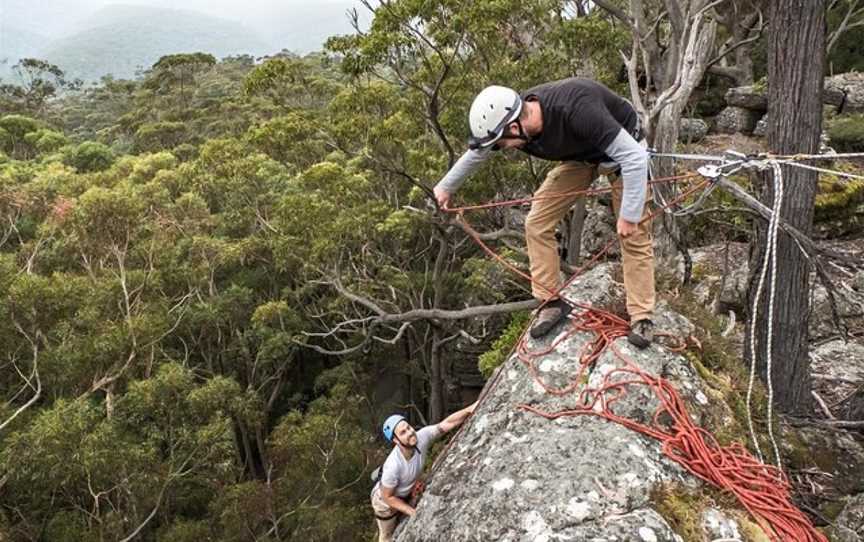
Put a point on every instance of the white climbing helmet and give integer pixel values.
(493, 109)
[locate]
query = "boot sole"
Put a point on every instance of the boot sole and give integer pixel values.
(638, 341)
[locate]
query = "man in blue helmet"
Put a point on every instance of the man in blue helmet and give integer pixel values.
(590, 131)
(404, 465)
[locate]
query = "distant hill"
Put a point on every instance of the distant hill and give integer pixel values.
(304, 28)
(16, 44)
(118, 40)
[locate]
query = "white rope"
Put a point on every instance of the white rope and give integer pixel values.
(824, 170)
(770, 258)
(784, 157)
(831, 156)
(775, 219)
(705, 157)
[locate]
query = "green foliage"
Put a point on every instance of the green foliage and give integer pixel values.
(45, 140)
(503, 345)
(333, 425)
(13, 137)
(38, 82)
(848, 53)
(89, 156)
(287, 140)
(186, 531)
(292, 82)
(168, 291)
(846, 133)
(158, 136)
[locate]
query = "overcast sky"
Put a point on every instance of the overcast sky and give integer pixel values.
(55, 18)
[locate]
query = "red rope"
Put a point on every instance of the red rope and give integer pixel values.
(762, 489)
(552, 195)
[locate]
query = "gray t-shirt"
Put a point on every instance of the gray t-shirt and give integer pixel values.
(400, 473)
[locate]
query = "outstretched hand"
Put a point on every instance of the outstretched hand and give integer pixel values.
(442, 197)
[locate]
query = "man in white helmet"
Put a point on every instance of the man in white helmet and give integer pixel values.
(404, 466)
(583, 125)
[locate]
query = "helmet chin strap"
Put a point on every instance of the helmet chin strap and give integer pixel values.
(522, 135)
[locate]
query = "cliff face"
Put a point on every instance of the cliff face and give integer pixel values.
(512, 475)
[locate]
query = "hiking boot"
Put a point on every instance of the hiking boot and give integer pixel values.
(641, 333)
(552, 314)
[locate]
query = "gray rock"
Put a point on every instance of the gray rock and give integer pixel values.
(858, 282)
(692, 130)
(850, 307)
(598, 229)
(711, 288)
(837, 368)
(734, 120)
(718, 525)
(513, 475)
(852, 85)
(849, 525)
(747, 97)
(837, 454)
(845, 91)
(761, 129)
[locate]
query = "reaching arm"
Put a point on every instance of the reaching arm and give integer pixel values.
(633, 159)
(394, 502)
(460, 171)
(456, 419)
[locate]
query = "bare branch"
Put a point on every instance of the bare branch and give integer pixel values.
(616, 12)
(406, 318)
(33, 376)
(845, 24)
(723, 54)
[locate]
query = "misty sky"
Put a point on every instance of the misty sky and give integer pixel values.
(269, 18)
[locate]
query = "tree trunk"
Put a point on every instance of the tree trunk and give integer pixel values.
(795, 68)
(573, 232)
(437, 390)
(669, 240)
(437, 398)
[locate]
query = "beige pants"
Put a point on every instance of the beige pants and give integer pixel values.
(382, 510)
(637, 251)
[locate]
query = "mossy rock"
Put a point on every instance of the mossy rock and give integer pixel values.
(837, 196)
(846, 133)
(684, 510)
(503, 345)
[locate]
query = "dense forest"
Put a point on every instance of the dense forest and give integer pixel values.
(202, 270)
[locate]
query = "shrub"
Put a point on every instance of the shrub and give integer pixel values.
(495, 356)
(89, 156)
(45, 140)
(846, 133)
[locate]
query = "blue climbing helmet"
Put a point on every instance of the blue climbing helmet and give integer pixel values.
(390, 425)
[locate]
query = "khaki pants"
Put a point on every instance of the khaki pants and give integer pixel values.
(382, 510)
(637, 251)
